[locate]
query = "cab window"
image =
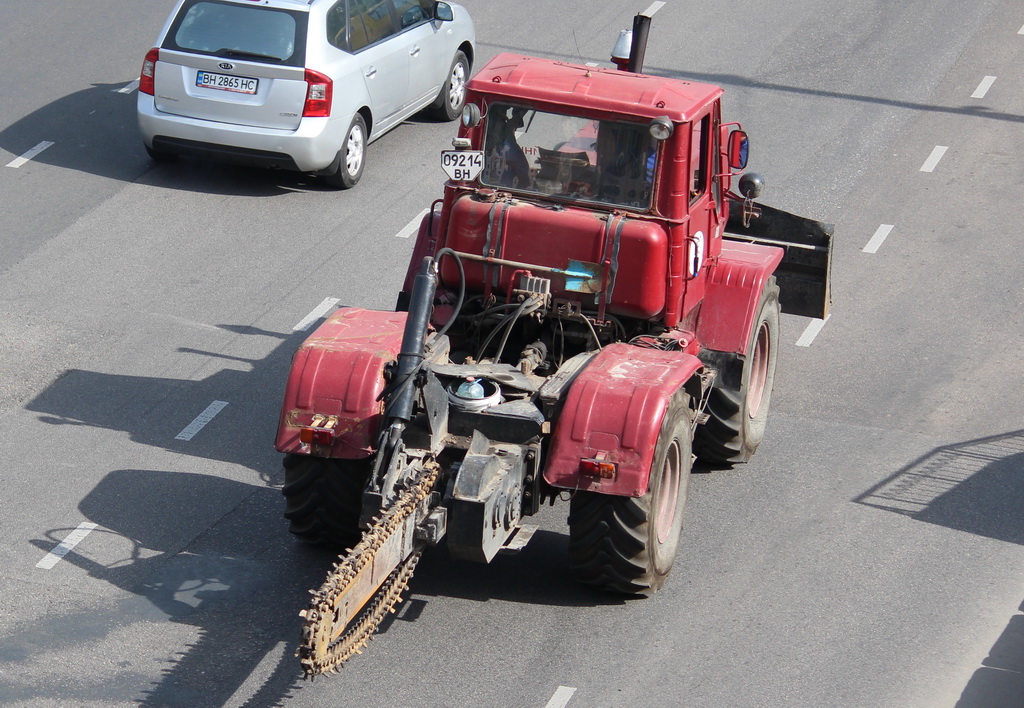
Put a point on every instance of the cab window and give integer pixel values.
(699, 154)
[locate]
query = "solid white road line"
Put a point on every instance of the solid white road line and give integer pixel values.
(413, 226)
(983, 87)
(19, 161)
(811, 332)
(561, 697)
(934, 158)
(201, 420)
(318, 312)
(877, 239)
(64, 547)
(128, 88)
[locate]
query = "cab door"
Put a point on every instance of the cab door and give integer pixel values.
(383, 60)
(704, 222)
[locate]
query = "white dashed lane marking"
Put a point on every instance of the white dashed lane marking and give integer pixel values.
(128, 88)
(19, 161)
(413, 226)
(561, 697)
(876, 240)
(201, 420)
(64, 547)
(318, 312)
(983, 87)
(811, 332)
(933, 159)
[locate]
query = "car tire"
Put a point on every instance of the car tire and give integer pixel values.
(348, 165)
(449, 102)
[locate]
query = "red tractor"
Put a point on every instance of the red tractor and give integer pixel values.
(588, 308)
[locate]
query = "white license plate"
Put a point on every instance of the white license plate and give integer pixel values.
(462, 165)
(238, 84)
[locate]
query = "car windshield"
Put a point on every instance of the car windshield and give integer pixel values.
(247, 32)
(568, 156)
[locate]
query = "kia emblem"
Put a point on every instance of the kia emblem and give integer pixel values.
(226, 65)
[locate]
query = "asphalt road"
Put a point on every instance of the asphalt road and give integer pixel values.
(870, 555)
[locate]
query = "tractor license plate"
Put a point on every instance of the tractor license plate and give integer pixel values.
(462, 164)
(223, 82)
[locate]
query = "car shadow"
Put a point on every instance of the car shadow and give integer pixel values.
(94, 131)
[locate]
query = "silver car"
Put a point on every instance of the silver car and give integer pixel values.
(300, 84)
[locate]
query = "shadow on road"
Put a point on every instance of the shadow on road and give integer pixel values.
(999, 683)
(95, 131)
(977, 487)
(153, 410)
(974, 486)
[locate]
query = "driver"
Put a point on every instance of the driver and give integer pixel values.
(513, 168)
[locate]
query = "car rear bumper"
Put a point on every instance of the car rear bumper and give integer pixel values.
(310, 148)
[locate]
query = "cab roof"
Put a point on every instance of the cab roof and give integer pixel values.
(529, 79)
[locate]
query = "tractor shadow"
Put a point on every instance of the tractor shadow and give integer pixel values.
(154, 411)
(235, 578)
(976, 487)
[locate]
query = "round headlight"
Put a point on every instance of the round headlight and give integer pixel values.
(471, 115)
(661, 128)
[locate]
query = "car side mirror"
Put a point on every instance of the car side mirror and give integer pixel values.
(443, 12)
(739, 149)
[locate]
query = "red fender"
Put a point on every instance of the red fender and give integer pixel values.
(732, 294)
(614, 412)
(339, 371)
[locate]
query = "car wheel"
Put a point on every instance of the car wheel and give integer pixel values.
(348, 165)
(449, 102)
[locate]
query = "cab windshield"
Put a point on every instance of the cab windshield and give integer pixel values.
(568, 156)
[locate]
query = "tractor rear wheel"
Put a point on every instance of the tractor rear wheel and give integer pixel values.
(737, 416)
(323, 498)
(628, 544)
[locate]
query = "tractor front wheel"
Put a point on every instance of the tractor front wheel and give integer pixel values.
(323, 498)
(737, 416)
(628, 544)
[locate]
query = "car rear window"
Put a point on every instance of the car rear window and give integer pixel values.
(247, 32)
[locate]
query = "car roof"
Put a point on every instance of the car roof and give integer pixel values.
(515, 76)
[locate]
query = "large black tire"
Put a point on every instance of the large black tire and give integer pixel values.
(323, 498)
(738, 416)
(627, 544)
(348, 165)
(452, 97)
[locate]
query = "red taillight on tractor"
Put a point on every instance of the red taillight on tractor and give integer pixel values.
(316, 436)
(319, 93)
(146, 78)
(602, 469)
(320, 430)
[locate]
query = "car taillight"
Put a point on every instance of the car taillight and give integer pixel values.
(146, 78)
(319, 92)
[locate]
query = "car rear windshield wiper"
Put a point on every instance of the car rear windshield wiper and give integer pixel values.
(224, 51)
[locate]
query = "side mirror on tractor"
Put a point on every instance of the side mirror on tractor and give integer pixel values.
(739, 149)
